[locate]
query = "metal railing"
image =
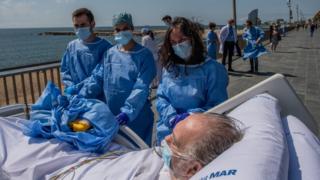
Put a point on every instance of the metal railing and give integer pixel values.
(25, 85)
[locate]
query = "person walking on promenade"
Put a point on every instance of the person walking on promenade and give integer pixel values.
(212, 41)
(83, 54)
(253, 35)
(228, 38)
(275, 38)
(297, 26)
(312, 29)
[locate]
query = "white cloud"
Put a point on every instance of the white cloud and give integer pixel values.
(15, 13)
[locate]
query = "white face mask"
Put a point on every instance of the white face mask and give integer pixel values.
(183, 50)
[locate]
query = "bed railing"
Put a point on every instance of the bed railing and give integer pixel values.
(24, 85)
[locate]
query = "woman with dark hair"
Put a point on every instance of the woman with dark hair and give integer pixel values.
(191, 82)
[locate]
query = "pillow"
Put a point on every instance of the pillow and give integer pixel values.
(262, 153)
(304, 150)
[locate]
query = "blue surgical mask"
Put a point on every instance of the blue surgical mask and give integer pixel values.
(166, 153)
(123, 37)
(183, 50)
(83, 33)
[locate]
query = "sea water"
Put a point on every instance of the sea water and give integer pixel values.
(24, 47)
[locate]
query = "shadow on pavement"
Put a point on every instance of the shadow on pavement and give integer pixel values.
(272, 73)
(239, 73)
(285, 52)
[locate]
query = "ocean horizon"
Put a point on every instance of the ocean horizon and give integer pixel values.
(22, 47)
(25, 47)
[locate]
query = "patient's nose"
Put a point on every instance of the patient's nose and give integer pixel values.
(168, 139)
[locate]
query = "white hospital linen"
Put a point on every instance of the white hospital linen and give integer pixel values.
(33, 158)
(136, 165)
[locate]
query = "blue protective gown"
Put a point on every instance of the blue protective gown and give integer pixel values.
(52, 113)
(125, 78)
(203, 87)
(80, 59)
(211, 44)
(252, 50)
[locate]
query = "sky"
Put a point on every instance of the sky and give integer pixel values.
(57, 13)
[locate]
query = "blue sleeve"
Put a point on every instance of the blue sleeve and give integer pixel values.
(65, 70)
(261, 33)
(140, 92)
(245, 35)
(217, 88)
(165, 109)
(93, 86)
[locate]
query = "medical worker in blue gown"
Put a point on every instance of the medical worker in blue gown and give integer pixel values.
(212, 41)
(191, 82)
(83, 54)
(254, 36)
(125, 77)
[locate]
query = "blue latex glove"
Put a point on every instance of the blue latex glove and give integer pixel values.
(71, 90)
(122, 118)
(178, 118)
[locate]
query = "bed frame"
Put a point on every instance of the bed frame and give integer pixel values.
(277, 86)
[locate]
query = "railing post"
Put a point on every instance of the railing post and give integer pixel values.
(25, 95)
(6, 90)
(15, 89)
(59, 78)
(39, 83)
(31, 87)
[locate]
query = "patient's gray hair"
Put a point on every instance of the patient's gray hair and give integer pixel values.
(221, 132)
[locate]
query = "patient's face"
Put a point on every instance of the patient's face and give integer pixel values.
(183, 136)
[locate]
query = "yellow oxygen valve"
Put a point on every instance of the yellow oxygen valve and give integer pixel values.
(80, 125)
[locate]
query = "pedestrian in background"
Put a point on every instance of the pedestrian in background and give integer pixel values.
(254, 36)
(212, 41)
(228, 38)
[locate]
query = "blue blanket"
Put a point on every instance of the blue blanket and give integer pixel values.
(53, 112)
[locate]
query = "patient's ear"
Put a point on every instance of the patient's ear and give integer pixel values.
(193, 168)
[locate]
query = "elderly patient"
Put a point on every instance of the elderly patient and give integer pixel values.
(196, 141)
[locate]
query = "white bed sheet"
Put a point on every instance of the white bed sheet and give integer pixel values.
(35, 158)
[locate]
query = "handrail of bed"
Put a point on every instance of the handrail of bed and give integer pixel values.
(277, 86)
(134, 137)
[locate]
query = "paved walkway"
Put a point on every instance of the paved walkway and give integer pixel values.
(298, 58)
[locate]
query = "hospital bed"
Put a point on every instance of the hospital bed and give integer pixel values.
(131, 141)
(294, 151)
(284, 147)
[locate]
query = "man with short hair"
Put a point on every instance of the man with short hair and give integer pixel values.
(196, 141)
(228, 39)
(82, 54)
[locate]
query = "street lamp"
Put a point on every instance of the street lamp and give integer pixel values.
(234, 13)
(290, 11)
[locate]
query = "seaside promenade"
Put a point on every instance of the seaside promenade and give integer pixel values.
(298, 58)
